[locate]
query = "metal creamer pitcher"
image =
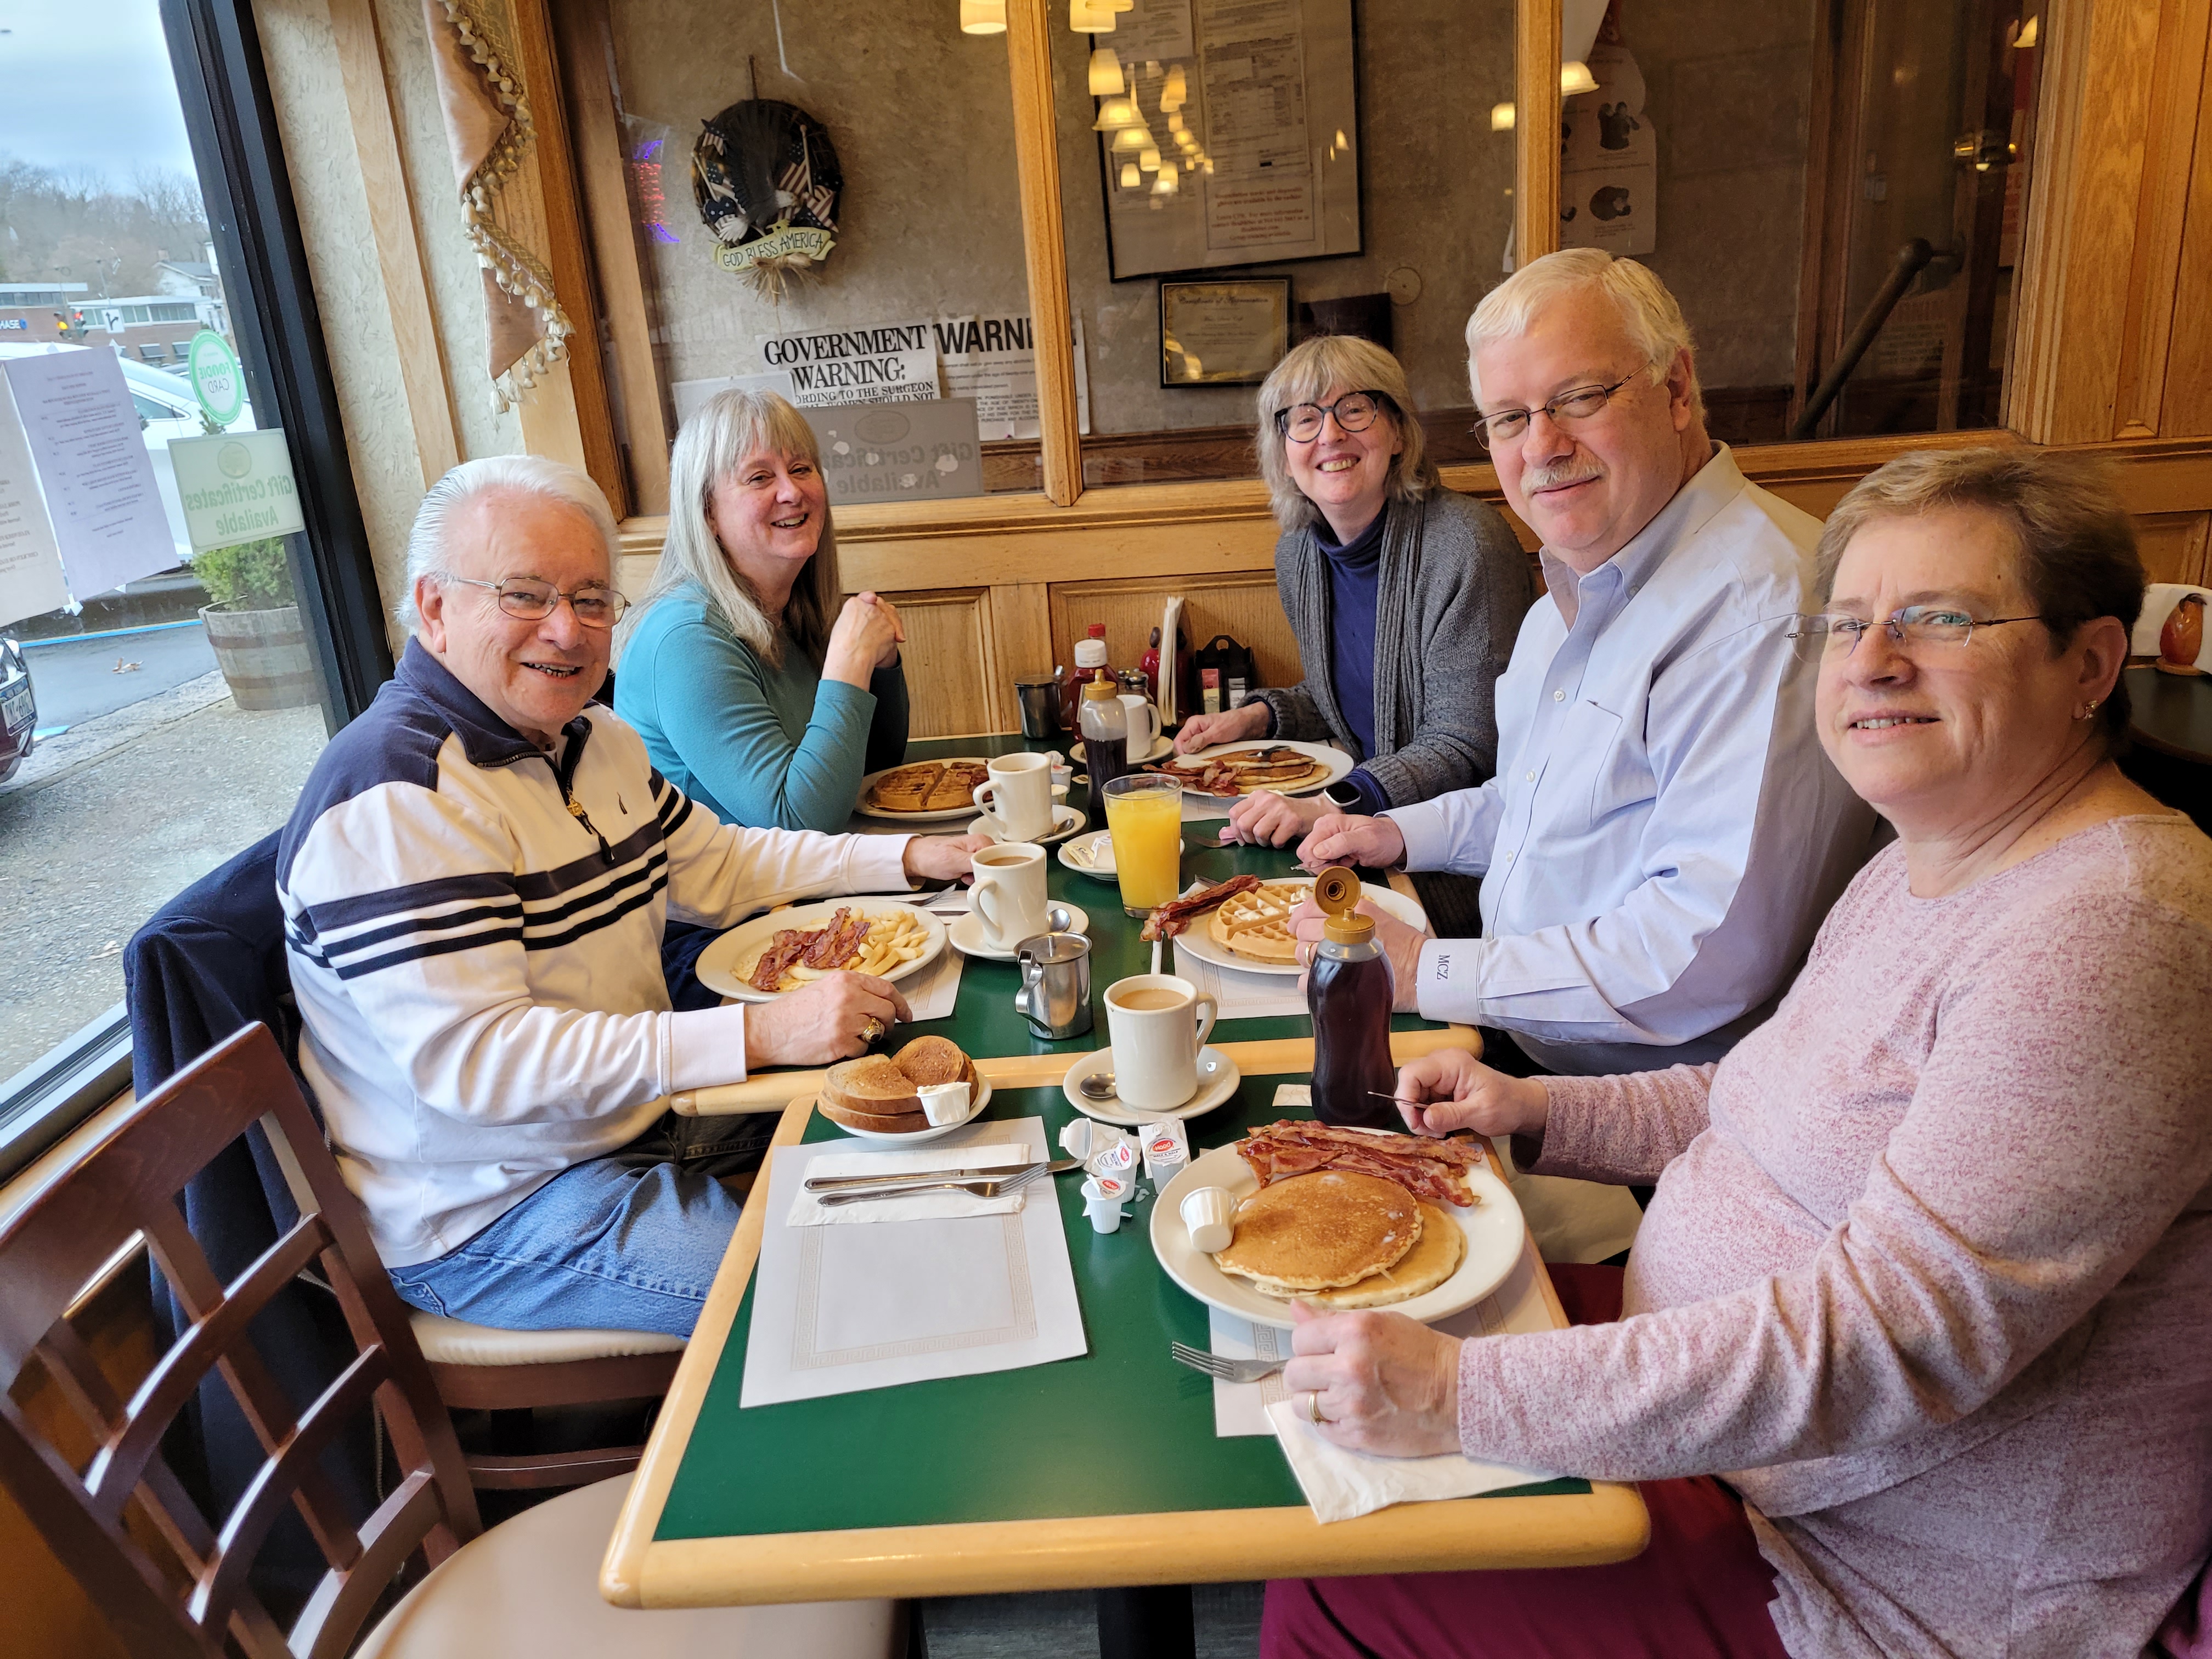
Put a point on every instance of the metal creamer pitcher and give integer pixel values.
(1055, 994)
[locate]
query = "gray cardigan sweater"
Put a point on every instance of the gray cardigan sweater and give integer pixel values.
(1452, 589)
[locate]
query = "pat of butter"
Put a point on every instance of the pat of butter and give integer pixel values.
(944, 1103)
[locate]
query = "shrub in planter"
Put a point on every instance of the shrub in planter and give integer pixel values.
(254, 626)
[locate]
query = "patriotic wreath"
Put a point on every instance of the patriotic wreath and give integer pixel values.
(766, 181)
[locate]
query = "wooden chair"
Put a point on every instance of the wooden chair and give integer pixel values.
(173, 1584)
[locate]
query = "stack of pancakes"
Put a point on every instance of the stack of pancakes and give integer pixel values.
(879, 1092)
(927, 787)
(1257, 924)
(1341, 1240)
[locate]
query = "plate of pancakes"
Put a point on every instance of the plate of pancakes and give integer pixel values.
(876, 1096)
(886, 940)
(924, 791)
(1251, 934)
(1230, 770)
(1337, 1240)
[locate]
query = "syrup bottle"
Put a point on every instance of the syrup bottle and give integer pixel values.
(1105, 736)
(1090, 665)
(1349, 990)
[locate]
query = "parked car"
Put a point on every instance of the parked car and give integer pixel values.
(167, 409)
(19, 708)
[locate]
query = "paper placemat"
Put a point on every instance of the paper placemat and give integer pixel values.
(838, 1310)
(932, 992)
(807, 1209)
(1242, 996)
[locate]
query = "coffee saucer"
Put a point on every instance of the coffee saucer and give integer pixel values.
(1065, 821)
(966, 932)
(1217, 1078)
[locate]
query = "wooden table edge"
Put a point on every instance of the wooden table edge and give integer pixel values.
(1087, 1551)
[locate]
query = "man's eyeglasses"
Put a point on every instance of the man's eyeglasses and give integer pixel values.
(1919, 625)
(1510, 426)
(1355, 411)
(527, 599)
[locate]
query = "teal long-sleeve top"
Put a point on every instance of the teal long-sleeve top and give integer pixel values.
(766, 747)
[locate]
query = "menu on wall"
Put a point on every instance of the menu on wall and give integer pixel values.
(1270, 95)
(30, 559)
(87, 446)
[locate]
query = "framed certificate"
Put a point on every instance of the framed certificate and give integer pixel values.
(1223, 333)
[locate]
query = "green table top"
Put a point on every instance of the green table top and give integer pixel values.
(1019, 1445)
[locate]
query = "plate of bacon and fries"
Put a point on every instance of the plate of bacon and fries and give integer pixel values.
(760, 960)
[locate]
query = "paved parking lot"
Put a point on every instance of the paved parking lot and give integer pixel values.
(105, 823)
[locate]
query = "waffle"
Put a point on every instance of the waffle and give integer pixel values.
(927, 787)
(1257, 924)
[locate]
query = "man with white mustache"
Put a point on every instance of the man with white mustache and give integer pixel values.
(1663, 833)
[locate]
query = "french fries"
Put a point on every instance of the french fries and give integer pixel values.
(892, 940)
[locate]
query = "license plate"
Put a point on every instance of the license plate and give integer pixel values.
(15, 709)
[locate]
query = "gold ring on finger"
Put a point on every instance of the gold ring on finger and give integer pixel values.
(871, 1030)
(1313, 1408)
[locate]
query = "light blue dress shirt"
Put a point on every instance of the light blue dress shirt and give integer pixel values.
(1663, 833)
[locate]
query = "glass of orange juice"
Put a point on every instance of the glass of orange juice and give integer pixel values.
(1144, 811)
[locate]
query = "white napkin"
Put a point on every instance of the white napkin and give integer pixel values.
(1341, 1485)
(2159, 600)
(932, 992)
(949, 1205)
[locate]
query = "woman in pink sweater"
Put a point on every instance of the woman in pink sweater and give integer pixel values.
(1928, 1277)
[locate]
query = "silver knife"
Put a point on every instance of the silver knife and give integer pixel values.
(840, 1184)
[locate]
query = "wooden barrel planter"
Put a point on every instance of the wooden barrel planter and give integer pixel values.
(264, 657)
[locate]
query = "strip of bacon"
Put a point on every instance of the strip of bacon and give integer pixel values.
(1171, 918)
(1432, 1170)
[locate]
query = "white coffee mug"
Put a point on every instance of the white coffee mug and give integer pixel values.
(1017, 797)
(1009, 900)
(1144, 718)
(1156, 1024)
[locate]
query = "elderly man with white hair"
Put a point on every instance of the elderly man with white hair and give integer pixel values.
(1663, 833)
(475, 883)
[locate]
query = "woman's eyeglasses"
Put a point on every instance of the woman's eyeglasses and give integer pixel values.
(527, 599)
(1355, 411)
(1916, 625)
(1510, 426)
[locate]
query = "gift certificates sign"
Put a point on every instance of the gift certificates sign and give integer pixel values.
(235, 487)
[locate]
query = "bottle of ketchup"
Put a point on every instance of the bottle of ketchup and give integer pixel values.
(1349, 990)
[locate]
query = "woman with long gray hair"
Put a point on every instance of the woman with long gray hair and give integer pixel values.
(759, 692)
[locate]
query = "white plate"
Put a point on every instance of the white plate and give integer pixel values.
(966, 932)
(979, 1098)
(1495, 1234)
(942, 815)
(1065, 821)
(1162, 745)
(1201, 944)
(1339, 764)
(1092, 856)
(1217, 1078)
(719, 960)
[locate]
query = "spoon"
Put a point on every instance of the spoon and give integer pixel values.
(1097, 1085)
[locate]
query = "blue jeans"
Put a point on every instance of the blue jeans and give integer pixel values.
(628, 1242)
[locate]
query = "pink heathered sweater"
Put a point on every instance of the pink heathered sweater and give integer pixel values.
(1928, 1274)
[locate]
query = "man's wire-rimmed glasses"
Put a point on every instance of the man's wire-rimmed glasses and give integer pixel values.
(528, 599)
(1915, 625)
(1510, 426)
(1355, 411)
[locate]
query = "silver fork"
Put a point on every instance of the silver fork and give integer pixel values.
(1226, 1370)
(996, 1186)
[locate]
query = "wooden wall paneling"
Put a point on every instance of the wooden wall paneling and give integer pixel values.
(2175, 546)
(947, 657)
(1245, 607)
(1021, 643)
(2176, 103)
(1044, 246)
(568, 255)
(420, 342)
(2187, 411)
(580, 29)
(1535, 129)
(2079, 254)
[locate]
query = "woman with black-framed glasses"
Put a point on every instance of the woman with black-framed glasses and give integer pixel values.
(1405, 599)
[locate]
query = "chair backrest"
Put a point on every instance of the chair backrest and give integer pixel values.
(171, 1583)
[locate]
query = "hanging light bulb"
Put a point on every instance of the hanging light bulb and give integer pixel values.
(1130, 140)
(1149, 159)
(1091, 16)
(1175, 124)
(1576, 77)
(1105, 73)
(1117, 115)
(1208, 165)
(1501, 117)
(1131, 178)
(1176, 92)
(983, 16)
(1165, 183)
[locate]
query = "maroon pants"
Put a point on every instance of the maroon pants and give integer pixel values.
(1699, 1591)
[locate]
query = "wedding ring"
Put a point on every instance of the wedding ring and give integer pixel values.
(871, 1030)
(1313, 1408)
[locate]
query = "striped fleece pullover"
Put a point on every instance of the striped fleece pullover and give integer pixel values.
(474, 928)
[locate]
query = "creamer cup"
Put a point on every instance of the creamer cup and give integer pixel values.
(1120, 1161)
(944, 1103)
(1210, 1214)
(1102, 1202)
(1166, 1148)
(1087, 1135)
